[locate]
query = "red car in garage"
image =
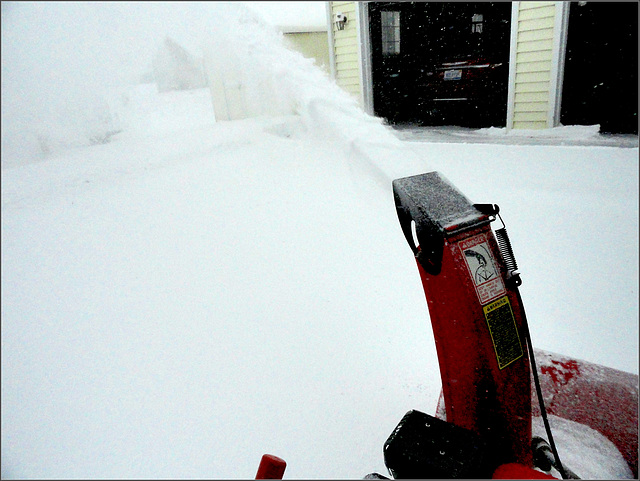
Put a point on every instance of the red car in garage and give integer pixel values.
(468, 89)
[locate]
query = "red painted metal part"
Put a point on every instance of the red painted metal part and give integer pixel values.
(597, 396)
(518, 471)
(271, 467)
(477, 393)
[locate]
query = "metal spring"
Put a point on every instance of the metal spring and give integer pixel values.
(505, 249)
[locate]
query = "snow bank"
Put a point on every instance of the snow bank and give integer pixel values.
(564, 132)
(145, 113)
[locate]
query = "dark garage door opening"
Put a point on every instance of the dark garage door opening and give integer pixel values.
(440, 63)
(601, 67)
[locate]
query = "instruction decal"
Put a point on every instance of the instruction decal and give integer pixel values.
(504, 332)
(482, 268)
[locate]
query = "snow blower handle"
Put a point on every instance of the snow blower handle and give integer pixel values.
(271, 467)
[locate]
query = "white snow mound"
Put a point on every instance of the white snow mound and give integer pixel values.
(585, 451)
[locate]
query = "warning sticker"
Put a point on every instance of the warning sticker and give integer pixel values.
(482, 267)
(504, 332)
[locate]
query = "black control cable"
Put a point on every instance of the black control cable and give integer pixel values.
(543, 411)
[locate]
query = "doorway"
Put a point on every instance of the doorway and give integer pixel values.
(601, 67)
(440, 63)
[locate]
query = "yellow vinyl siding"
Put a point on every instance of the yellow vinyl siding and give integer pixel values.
(548, 6)
(536, 24)
(348, 58)
(347, 54)
(544, 45)
(346, 49)
(534, 116)
(532, 96)
(535, 107)
(535, 14)
(522, 124)
(528, 67)
(540, 87)
(533, 77)
(534, 53)
(539, 35)
(533, 56)
(311, 44)
(344, 42)
(350, 73)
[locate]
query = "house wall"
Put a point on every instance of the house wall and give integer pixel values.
(311, 44)
(346, 52)
(535, 66)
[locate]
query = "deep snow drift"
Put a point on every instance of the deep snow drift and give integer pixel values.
(195, 294)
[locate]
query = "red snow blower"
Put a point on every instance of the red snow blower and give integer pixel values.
(491, 387)
(482, 427)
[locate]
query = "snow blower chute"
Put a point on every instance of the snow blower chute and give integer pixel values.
(482, 427)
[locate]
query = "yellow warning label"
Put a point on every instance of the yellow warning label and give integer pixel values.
(504, 332)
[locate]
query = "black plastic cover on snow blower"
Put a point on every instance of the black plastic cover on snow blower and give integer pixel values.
(423, 446)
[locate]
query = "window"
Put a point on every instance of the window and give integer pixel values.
(476, 23)
(390, 33)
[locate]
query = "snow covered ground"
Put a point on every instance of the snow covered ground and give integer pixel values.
(182, 300)
(194, 294)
